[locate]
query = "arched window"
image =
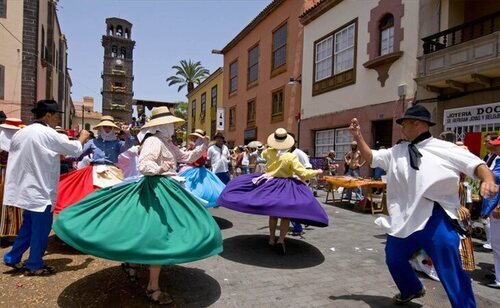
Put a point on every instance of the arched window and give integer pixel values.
(114, 51)
(111, 30)
(123, 52)
(386, 28)
(119, 31)
(127, 33)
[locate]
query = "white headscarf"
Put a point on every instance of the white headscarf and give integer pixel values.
(5, 137)
(111, 136)
(167, 130)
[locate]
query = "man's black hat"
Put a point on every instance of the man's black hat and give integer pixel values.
(47, 105)
(417, 112)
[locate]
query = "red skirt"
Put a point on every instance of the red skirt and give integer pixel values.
(73, 187)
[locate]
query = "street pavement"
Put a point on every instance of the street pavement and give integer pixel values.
(338, 266)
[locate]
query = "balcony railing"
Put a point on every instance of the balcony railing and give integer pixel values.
(462, 33)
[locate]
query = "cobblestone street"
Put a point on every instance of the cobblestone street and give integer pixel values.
(338, 266)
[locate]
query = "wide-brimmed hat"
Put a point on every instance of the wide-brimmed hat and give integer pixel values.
(106, 120)
(200, 133)
(417, 112)
(162, 116)
(48, 105)
(12, 123)
(219, 135)
(280, 139)
(495, 141)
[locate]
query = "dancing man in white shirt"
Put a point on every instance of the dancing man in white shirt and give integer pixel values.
(218, 155)
(31, 183)
(422, 180)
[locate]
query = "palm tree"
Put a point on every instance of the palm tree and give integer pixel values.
(188, 73)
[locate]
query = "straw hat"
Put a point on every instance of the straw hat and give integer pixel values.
(280, 139)
(200, 133)
(107, 121)
(13, 123)
(162, 116)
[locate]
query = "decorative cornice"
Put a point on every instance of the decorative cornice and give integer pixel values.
(317, 10)
(262, 15)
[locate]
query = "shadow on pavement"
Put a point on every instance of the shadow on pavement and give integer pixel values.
(371, 300)
(223, 223)
(57, 246)
(189, 287)
(254, 250)
(61, 265)
(483, 273)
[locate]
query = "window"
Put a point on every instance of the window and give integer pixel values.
(232, 118)
(2, 82)
(87, 126)
(277, 106)
(233, 76)
(3, 8)
(279, 47)
(386, 27)
(253, 65)
(213, 98)
(42, 47)
(323, 61)
(334, 59)
(251, 112)
(123, 53)
(338, 139)
(127, 33)
(193, 109)
(203, 105)
(119, 31)
(344, 50)
(114, 51)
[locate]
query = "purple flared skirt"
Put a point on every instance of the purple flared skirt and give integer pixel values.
(278, 197)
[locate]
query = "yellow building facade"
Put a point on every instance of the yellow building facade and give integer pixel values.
(203, 102)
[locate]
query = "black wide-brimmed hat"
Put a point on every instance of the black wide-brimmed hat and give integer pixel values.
(48, 105)
(219, 135)
(417, 112)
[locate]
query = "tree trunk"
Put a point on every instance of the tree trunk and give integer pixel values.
(190, 86)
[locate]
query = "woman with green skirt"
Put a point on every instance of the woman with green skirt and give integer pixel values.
(148, 220)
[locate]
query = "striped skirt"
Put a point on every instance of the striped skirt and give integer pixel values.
(10, 217)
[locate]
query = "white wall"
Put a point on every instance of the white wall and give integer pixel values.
(367, 89)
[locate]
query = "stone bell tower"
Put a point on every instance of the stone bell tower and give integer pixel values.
(117, 75)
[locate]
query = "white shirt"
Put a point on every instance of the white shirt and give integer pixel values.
(33, 167)
(303, 158)
(219, 158)
(411, 193)
(245, 161)
(127, 162)
(5, 137)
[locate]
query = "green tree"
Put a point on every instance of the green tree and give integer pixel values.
(181, 110)
(188, 74)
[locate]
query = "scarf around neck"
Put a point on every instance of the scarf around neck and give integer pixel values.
(414, 152)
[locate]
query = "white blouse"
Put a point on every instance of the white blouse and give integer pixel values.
(159, 156)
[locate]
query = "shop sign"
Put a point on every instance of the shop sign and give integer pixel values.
(472, 115)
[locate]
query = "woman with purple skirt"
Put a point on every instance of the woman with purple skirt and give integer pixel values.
(278, 193)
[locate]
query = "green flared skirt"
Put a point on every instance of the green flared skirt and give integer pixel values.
(150, 221)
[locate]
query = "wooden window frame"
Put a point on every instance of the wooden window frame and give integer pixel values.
(3, 14)
(193, 109)
(251, 112)
(203, 106)
(283, 67)
(253, 83)
(382, 28)
(342, 79)
(278, 117)
(213, 98)
(231, 90)
(232, 124)
(2, 82)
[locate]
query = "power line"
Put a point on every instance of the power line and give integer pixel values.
(1, 24)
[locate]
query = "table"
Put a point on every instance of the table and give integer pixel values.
(378, 205)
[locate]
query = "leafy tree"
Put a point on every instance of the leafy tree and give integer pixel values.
(188, 74)
(181, 110)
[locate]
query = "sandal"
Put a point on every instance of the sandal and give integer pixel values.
(46, 270)
(131, 272)
(280, 248)
(18, 267)
(163, 298)
(401, 301)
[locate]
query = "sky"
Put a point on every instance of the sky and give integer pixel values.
(165, 31)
